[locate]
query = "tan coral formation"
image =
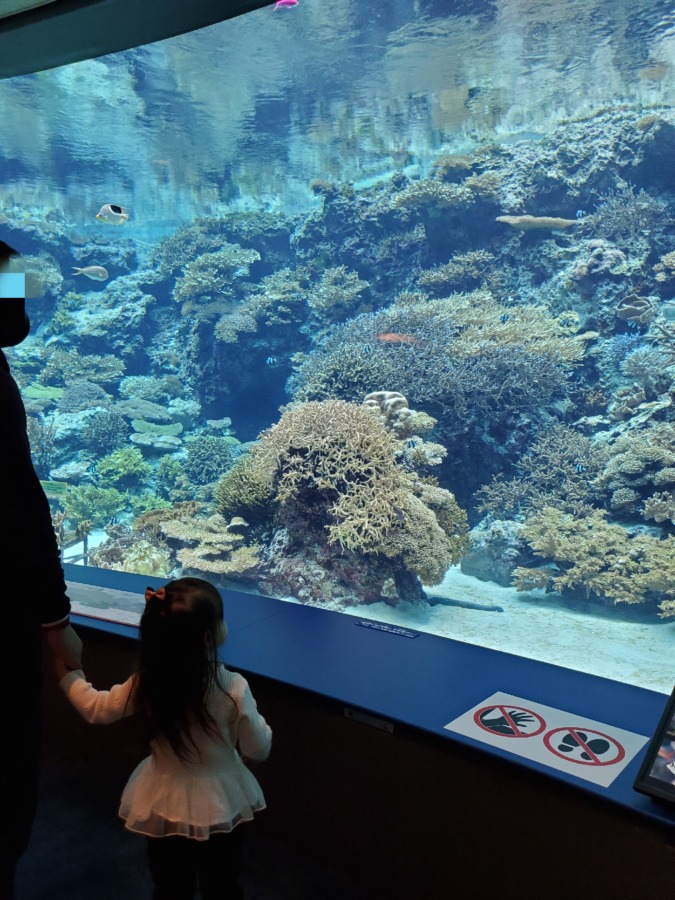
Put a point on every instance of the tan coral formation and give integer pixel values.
(342, 456)
(392, 409)
(640, 310)
(218, 547)
(600, 558)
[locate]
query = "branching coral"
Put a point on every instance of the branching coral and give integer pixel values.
(436, 193)
(208, 457)
(626, 215)
(463, 273)
(42, 438)
(343, 456)
(603, 560)
(245, 490)
(98, 505)
(337, 461)
(210, 276)
(104, 432)
(187, 242)
(336, 295)
(124, 551)
(69, 365)
(464, 358)
(559, 469)
(123, 468)
(80, 395)
(280, 300)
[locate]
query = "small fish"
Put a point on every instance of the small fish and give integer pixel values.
(392, 337)
(96, 273)
(579, 469)
(285, 4)
(411, 444)
(272, 361)
(367, 348)
(580, 213)
(504, 318)
(112, 214)
(398, 512)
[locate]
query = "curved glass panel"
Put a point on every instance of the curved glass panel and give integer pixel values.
(367, 307)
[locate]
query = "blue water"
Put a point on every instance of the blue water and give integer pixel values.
(321, 363)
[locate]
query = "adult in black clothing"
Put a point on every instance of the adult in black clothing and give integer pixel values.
(36, 606)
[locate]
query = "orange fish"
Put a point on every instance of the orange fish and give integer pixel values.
(391, 337)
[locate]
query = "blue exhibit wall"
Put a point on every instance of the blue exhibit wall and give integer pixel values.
(411, 679)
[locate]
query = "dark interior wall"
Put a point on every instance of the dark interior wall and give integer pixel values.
(406, 815)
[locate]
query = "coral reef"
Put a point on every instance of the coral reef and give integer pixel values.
(245, 490)
(333, 467)
(496, 549)
(560, 469)
(97, 505)
(337, 295)
(123, 468)
(42, 439)
(605, 562)
(79, 395)
(104, 432)
(208, 456)
(640, 466)
(219, 548)
(208, 279)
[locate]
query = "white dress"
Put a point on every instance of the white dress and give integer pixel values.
(165, 796)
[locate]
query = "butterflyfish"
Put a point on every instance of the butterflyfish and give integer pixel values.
(112, 214)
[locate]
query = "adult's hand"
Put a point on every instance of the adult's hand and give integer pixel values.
(65, 645)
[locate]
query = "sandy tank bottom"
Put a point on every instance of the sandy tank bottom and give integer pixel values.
(536, 625)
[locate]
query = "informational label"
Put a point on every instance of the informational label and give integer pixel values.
(105, 603)
(390, 629)
(562, 740)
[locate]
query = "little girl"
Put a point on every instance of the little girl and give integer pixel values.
(189, 795)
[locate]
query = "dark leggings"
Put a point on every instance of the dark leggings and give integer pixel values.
(179, 864)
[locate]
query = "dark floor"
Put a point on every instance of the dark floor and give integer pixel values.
(80, 849)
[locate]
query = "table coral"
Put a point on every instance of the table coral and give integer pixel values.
(217, 550)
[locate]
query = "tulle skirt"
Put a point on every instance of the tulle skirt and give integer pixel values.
(159, 803)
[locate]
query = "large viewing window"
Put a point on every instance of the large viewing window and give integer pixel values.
(369, 307)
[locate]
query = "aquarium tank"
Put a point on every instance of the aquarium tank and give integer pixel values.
(369, 307)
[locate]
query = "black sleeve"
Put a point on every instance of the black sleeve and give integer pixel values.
(29, 547)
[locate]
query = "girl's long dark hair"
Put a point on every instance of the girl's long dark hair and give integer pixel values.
(180, 634)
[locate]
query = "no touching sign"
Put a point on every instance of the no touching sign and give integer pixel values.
(559, 739)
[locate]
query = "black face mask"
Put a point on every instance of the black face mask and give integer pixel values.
(14, 323)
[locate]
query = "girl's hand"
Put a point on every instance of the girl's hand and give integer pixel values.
(61, 667)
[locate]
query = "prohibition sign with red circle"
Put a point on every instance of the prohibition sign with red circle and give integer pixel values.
(512, 723)
(583, 745)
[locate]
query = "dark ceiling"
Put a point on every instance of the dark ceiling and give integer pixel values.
(67, 31)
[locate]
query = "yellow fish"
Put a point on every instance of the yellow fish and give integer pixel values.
(96, 273)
